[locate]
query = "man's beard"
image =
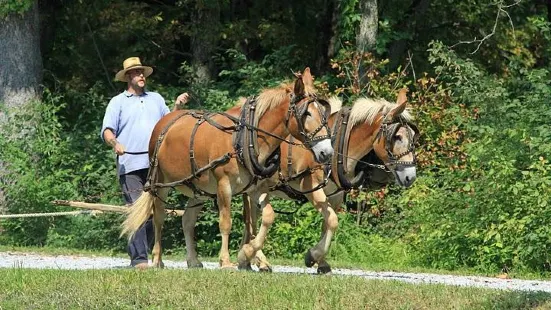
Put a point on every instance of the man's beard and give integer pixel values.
(136, 85)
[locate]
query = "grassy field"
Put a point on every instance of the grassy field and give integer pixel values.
(215, 289)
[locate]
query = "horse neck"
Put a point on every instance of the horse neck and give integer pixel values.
(362, 137)
(273, 121)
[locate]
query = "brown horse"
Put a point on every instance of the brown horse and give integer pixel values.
(371, 128)
(218, 155)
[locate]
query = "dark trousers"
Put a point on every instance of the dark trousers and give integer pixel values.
(132, 185)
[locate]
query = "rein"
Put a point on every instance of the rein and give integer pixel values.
(135, 153)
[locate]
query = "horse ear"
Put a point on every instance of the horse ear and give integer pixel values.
(307, 77)
(401, 103)
(402, 96)
(299, 87)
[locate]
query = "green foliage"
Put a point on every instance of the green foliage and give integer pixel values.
(350, 19)
(245, 77)
(491, 211)
(481, 197)
(31, 146)
(8, 7)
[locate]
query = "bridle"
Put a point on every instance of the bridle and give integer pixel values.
(299, 110)
(387, 131)
(388, 128)
(245, 142)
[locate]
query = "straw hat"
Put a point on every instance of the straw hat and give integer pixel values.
(129, 64)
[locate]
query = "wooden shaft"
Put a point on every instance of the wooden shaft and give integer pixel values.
(105, 207)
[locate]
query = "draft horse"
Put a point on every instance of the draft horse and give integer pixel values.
(217, 155)
(373, 142)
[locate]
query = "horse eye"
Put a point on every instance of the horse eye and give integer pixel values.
(307, 113)
(398, 138)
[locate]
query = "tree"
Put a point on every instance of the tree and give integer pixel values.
(366, 37)
(409, 24)
(205, 38)
(21, 65)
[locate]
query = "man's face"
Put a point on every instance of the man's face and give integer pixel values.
(136, 78)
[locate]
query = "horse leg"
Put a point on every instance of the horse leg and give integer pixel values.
(262, 262)
(224, 205)
(330, 223)
(189, 219)
(335, 201)
(250, 216)
(323, 265)
(249, 228)
(158, 221)
(249, 250)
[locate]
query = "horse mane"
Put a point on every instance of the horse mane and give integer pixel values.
(367, 110)
(335, 103)
(273, 97)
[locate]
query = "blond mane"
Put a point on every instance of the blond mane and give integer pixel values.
(367, 110)
(335, 103)
(273, 97)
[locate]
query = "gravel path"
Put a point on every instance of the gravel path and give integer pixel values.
(21, 260)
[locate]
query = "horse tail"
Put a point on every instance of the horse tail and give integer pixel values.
(138, 214)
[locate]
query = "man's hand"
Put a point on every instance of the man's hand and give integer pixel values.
(181, 100)
(119, 149)
(117, 146)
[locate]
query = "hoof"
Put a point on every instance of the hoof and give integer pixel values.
(326, 269)
(309, 259)
(160, 265)
(245, 266)
(195, 265)
(141, 266)
(267, 269)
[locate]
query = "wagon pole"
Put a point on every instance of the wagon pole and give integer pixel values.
(26, 215)
(105, 207)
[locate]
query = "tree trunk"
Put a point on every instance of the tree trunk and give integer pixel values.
(326, 29)
(366, 38)
(335, 18)
(205, 39)
(413, 17)
(21, 65)
(20, 68)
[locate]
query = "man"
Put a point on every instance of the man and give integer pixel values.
(127, 126)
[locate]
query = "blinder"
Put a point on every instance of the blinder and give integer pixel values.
(388, 131)
(416, 131)
(326, 107)
(299, 110)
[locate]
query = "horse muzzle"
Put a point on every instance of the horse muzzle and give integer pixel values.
(405, 175)
(323, 150)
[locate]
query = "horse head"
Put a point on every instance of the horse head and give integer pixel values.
(307, 117)
(395, 143)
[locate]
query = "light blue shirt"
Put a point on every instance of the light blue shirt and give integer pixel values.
(132, 119)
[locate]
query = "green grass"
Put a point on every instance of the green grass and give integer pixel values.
(216, 289)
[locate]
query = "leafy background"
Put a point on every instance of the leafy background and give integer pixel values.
(482, 193)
